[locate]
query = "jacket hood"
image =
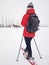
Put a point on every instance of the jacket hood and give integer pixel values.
(30, 11)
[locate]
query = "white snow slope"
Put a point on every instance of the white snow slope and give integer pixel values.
(10, 39)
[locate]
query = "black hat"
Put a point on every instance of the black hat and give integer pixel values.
(30, 5)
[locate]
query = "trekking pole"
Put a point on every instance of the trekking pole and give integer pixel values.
(19, 49)
(37, 48)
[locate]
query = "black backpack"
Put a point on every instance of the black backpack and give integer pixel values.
(33, 23)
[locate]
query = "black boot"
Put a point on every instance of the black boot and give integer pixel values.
(29, 57)
(25, 50)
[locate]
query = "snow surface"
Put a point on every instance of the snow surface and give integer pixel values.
(11, 11)
(10, 39)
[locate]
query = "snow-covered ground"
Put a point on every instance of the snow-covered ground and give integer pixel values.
(10, 39)
(11, 12)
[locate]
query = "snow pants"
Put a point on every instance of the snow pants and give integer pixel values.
(28, 45)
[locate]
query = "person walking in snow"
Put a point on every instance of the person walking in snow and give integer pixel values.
(27, 35)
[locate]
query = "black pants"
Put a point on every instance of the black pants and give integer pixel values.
(28, 45)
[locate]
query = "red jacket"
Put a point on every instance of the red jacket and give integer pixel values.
(24, 23)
